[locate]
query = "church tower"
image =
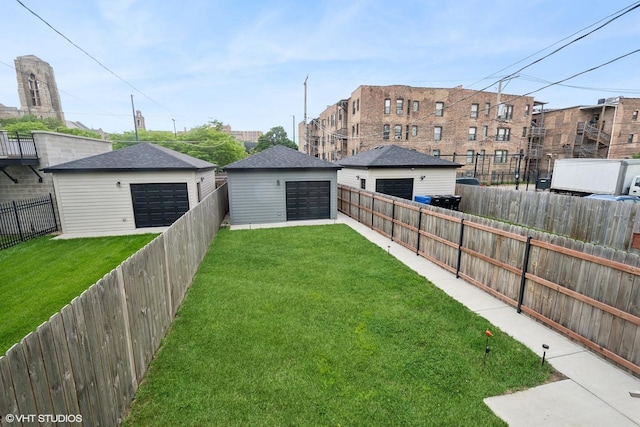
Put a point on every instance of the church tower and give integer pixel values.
(37, 88)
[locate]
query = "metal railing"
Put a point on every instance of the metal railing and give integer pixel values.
(17, 146)
(26, 219)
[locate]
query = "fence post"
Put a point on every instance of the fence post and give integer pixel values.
(419, 229)
(53, 212)
(15, 211)
(393, 216)
(373, 199)
(460, 248)
(525, 263)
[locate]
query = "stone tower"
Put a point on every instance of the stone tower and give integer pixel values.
(37, 88)
(140, 120)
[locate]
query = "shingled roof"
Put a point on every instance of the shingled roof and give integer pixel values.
(143, 156)
(392, 156)
(280, 157)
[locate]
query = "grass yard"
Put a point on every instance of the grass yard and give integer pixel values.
(39, 277)
(317, 326)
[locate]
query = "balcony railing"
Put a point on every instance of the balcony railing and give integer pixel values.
(17, 146)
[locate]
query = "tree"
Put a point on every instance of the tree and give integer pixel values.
(275, 136)
(27, 123)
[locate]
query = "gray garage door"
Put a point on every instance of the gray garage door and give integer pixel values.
(399, 187)
(159, 205)
(308, 200)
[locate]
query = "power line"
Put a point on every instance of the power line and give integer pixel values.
(93, 58)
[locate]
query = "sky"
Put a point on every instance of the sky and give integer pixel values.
(244, 63)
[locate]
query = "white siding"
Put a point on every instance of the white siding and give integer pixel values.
(93, 203)
(436, 180)
(256, 198)
(207, 182)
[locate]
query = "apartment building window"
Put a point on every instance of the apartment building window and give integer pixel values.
(363, 183)
(500, 156)
(387, 106)
(634, 117)
(487, 108)
(354, 107)
(485, 131)
(397, 131)
(524, 131)
(406, 132)
(437, 133)
(358, 104)
(504, 134)
(527, 109)
(399, 106)
(472, 133)
(357, 129)
(353, 131)
(474, 111)
(630, 138)
(436, 153)
(505, 112)
(386, 129)
(416, 106)
(439, 109)
(408, 107)
(414, 130)
(470, 154)
(333, 120)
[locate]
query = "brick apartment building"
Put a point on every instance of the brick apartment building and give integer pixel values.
(608, 129)
(484, 131)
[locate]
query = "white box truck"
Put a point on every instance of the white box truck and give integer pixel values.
(596, 176)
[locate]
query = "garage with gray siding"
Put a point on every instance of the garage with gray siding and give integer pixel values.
(280, 184)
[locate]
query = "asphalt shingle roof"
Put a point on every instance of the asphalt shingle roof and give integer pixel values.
(392, 156)
(142, 156)
(280, 157)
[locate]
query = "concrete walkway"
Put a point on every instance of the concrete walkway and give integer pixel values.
(595, 393)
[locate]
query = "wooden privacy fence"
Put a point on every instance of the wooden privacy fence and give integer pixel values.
(590, 293)
(89, 358)
(601, 222)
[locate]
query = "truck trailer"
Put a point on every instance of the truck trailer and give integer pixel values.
(581, 177)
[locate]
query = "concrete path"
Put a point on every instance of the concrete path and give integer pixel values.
(595, 393)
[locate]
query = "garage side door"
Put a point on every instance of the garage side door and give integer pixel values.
(159, 205)
(399, 187)
(308, 200)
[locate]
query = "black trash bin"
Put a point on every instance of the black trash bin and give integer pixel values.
(543, 183)
(447, 201)
(455, 202)
(436, 201)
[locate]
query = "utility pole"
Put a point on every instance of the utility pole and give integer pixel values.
(306, 142)
(294, 128)
(135, 124)
(175, 134)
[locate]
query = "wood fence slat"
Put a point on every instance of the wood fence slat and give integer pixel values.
(64, 361)
(8, 402)
(37, 374)
(52, 370)
(19, 373)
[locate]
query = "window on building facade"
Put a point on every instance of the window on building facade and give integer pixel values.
(439, 109)
(354, 107)
(399, 106)
(414, 130)
(487, 108)
(358, 104)
(504, 134)
(474, 111)
(353, 131)
(397, 131)
(500, 156)
(472, 133)
(470, 154)
(386, 129)
(387, 106)
(485, 131)
(416, 106)
(435, 153)
(357, 129)
(630, 138)
(333, 120)
(437, 133)
(634, 116)
(527, 109)
(505, 112)
(363, 183)
(406, 132)
(524, 131)
(34, 90)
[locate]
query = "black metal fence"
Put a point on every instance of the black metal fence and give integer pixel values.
(23, 220)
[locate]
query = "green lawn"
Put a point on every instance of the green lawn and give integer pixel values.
(39, 277)
(317, 326)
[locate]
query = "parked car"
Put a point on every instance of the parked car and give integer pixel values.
(468, 181)
(613, 198)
